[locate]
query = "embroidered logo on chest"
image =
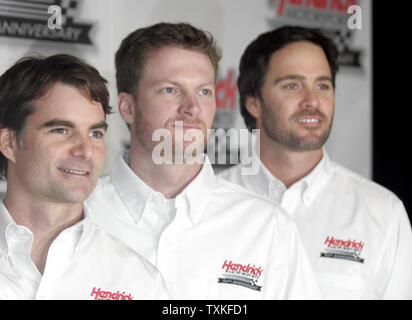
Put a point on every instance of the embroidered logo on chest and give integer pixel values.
(100, 294)
(241, 275)
(343, 249)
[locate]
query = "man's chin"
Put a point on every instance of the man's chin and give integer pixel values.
(73, 195)
(307, 144)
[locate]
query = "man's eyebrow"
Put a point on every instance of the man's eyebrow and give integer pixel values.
(102, 124)
(300, 77)
(56, 123)
(177, 84)
(289, 77)
(69, 124)
(209, 83)
(324, 78)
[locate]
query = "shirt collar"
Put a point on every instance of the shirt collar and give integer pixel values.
(6, 220)
(308, 187)
(263, 181)
(83, 230)
(135, 192)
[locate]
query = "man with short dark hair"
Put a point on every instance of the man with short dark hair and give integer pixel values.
(210, 239)
(356, 233)
(52, 127)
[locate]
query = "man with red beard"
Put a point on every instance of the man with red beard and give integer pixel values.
(356, 233)
(209, 238)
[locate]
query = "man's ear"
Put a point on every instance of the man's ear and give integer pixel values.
(253, 106)
(8, 143)
(126, 107)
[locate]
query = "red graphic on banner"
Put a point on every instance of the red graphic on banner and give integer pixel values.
(331, 5)
(226, 92)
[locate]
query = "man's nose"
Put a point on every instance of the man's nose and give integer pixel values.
(82, 147)
(189, 106)
(310, 99)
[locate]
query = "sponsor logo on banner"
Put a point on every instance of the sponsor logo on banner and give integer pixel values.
(226, 112)
(343, 249)
(331, 16)
(241, 275)
(226, 99)
(100, 294)
(51, 20)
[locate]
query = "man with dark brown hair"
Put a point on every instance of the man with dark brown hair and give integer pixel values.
(210, 239)
(357, 233)
(52, 127)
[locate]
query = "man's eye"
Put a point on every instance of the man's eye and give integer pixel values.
(205, 92)
(324, 86)
(291, 86)
(168, 90)
(59, 130)
(97, 134)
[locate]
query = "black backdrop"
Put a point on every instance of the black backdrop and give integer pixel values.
(392, 99)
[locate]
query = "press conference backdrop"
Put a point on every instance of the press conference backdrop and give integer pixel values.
(93, 30)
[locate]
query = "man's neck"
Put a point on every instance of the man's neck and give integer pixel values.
(168, 179)
(287, 165)
(45, 220)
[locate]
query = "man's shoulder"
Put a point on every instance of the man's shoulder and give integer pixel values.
(361, 185)
(228, 186)
(104, 242)
(114, 253)
(231, 193)
(232, 173)
(369, 197)
(237, 175)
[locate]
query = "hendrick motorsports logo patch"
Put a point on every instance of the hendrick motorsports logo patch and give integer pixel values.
(241, 275)
(100, 294)
(340, 249)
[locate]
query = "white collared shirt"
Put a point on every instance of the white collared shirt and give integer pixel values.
(83, 263)
(356, 232)
(220, 241)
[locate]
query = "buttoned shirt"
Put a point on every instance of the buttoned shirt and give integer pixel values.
(83, 263)
(356, 232)
(215, 240)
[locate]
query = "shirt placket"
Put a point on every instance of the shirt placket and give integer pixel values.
(20, 244)
(276, 191)
(168, 248)
(58, 256)
(292, 198)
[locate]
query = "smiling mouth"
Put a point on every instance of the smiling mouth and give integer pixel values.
(309, 121)
(73, 171)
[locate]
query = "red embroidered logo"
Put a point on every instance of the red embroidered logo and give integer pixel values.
(244, 268)
(241, 275)
(107, 295)
(343, 249)
(348, 244)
